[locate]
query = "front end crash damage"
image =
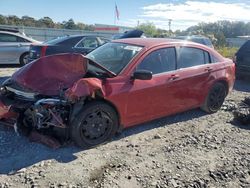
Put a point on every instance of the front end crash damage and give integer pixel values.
(47, 94)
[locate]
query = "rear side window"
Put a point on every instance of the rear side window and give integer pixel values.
(214, 59)
(7, 38)
(159, 61)
(19, 39)
(189, 57)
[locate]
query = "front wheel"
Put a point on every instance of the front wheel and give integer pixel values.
(95, 124)
(215, 98)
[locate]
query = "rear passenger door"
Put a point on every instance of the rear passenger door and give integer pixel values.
(195, 73)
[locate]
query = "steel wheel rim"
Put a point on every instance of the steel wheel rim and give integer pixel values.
(96, 126)
(216, 98)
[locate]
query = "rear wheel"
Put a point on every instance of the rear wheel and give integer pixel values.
(215, 98)
(24, 59)
(95, 124)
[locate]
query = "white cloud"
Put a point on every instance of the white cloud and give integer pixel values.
(192, 12)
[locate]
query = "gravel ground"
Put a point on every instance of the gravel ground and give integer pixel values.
(191, 149)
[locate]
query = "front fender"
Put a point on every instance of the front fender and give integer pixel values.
(85, 87)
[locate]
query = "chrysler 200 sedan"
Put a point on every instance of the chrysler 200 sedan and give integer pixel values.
(118, 85)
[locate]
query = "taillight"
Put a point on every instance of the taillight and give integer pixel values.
(43, 51)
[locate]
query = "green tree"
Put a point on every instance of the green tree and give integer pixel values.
(13, 20)
(70, 24)
(3, 20)
(148, 28)
(80, 26)
(220, 39)
(28, 21)
(45, 22)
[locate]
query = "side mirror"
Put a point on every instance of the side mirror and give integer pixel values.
(142, 75)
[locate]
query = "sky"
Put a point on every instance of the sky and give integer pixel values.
(183, 13)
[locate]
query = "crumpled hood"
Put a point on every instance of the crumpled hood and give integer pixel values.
(48, 75)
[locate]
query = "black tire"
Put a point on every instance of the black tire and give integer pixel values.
(24, 59)
(215, 98)
(95, 124)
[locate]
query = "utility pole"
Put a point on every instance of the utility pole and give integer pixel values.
(169, 20)
(169, 25)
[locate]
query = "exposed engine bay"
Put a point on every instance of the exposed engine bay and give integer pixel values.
(35, 112)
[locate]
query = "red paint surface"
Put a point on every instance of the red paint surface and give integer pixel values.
(84, 87)
(49, 74)
(136, 101)
(5, 113)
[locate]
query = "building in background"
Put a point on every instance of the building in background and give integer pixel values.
(111, 28)
(45, 34)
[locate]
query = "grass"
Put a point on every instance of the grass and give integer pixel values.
(228, 52)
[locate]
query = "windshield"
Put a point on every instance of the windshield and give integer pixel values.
(114, 56)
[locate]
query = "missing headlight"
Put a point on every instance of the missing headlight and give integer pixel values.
(27, 95)
(7, 82)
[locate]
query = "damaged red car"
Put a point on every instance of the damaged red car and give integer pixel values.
(118, 85)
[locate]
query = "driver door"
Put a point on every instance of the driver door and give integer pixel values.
(149, 99)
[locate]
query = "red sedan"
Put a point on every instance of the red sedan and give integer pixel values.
(118, 85)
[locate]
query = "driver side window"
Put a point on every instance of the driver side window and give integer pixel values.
(159, 61)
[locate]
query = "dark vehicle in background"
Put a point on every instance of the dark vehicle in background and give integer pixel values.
(68, 44)
(75, 44)
(242, 60)
(198, 39)
(14, 47)
(136, 33)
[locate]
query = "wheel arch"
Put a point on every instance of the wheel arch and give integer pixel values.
(20, 58)
(224, 82)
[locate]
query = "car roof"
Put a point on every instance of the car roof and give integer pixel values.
(151, 42)
(69, 38)
(191, 36)
(13, 33)
(86, 35)
(20, 35)
(66, 37)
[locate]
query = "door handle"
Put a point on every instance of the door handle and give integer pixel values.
(174, 77)
(19, 45)
(208, 69)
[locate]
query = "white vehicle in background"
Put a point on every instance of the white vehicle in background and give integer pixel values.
(14, 47)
